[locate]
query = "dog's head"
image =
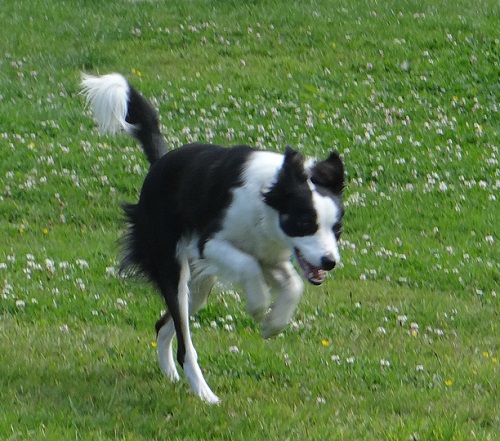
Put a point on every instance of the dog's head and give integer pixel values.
(309, 205)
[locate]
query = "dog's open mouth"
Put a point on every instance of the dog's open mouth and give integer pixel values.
(314, 275)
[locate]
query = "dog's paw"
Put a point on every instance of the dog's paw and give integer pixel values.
(172, 375)
(170, 372)
(167, 363)
(258, 314)
(198, 384)
(208, 396)
(271, 326)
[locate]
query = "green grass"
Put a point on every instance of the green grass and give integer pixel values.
(401, 343)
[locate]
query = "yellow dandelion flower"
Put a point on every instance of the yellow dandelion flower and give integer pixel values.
(197, 75)
(139, 73)
(133, 70)
(486, 354)
(45, 231)
(325, 342)
(154, 344)
(448, 383)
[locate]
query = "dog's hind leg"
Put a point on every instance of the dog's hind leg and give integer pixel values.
(176, 295)
(289, 286)
(165, 331)
(200, 288)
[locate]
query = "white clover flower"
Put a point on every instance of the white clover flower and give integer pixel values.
(50, 266)
(443, 186)
(381, 330)
(111, 271)
(402, 319)
(82, 263)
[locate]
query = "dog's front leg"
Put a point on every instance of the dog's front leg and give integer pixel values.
(244, 270)
(289, 286)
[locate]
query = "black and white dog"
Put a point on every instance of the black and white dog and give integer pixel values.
(205, 211)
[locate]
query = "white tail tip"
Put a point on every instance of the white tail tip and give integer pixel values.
(107, 96)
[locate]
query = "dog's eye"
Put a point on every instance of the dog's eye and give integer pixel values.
(337, 230)
(298, 227)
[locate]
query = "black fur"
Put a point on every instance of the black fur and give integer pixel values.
(329, 174)
(142, 115)
(185, 191)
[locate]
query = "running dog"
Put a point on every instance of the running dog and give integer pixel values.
(206, 211)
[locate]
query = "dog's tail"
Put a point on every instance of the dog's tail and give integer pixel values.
(118, 106)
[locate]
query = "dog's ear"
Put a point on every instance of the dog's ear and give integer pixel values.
(293, 166)
(291, 175)
(329, 174)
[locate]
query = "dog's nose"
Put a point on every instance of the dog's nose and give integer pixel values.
(328, 262)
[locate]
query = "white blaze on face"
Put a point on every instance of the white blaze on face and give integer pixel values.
(322, 243)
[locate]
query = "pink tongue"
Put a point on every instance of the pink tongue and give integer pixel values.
(320, 274)
(314, 275)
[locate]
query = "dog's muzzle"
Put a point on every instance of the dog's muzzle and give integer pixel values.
(315, 275)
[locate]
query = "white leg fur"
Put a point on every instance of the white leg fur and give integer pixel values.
(165, 351)
(245, 271)
(290, 287)
(200, 289)
(196, 379)
(191, 368)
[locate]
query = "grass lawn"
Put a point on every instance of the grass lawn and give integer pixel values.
(401, 342)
